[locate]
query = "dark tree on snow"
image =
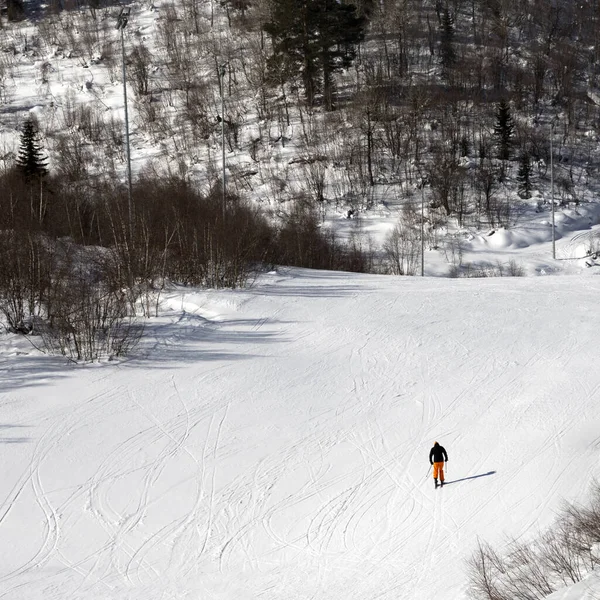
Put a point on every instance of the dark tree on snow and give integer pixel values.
(240, 6)
(504, 130)
(316, 38)
(14, 10)
(30, 160)
(524, 175)
(447, 51)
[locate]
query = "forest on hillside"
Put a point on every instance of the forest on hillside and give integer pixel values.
(334, 102)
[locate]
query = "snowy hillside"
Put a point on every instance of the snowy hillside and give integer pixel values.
(404, 131)
(585, 590)
(272, 443)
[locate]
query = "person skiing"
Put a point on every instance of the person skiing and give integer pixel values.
(437, 457)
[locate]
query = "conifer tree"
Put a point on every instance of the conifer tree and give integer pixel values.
(30, 160)
(524, 175)
(14, 10)
(504, 130)
(447, 51)
(237, 5)
(316, 38)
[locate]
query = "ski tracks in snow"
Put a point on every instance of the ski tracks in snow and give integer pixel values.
(310, 482)
(33, 479)
(123, 554)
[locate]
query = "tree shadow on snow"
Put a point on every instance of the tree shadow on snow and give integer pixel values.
(12, 440)
(194, 338)
(191, 339)
(472, 477)
(32, 371)
(335, 284)
(311, 291)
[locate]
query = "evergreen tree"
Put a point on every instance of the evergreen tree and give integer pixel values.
(30, 160)
(293, 44)
(447, 52)
(504, 130)
(14, 10)
(316, 38)
(238, 5)
(524, 175)
(364, 7)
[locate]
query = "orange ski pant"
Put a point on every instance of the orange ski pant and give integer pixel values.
(438, 470)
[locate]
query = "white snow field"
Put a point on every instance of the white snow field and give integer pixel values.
(273, 443)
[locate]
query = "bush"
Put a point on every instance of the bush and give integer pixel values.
(193, 239)
(534, 570)
(471, 270)
(79, 275)
(88, 321)
(302, 242)
(25, 277)
(402, 249)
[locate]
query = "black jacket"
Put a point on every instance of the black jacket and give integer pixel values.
(438, 454)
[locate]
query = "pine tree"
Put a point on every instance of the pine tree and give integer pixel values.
(524, 175)
(236, 5)
(447, 52)
(504, 130)
(14, 10)
(364, 7)
(316, 38)
(30, 160)
(293, 47)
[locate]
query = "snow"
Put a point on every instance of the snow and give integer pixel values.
(273, 442)
(587, 589)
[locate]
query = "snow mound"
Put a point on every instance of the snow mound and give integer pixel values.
(505, 239)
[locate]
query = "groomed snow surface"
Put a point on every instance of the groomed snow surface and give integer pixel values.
(273, 443)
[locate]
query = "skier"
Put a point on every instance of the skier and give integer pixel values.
(437, 457)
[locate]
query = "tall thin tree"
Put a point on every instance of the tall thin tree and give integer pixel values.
(504, 130)
(525, 174)
(447, 50)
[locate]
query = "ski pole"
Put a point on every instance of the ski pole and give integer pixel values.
(428, 471)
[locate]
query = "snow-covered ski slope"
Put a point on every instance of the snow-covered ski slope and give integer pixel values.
(273, 443)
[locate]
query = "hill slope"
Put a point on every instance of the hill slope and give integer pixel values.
(273, 443)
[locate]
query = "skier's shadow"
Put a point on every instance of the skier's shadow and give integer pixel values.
(467, 478)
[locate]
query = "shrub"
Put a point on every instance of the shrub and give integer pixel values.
(302, 242)
(472, 270)
(534, 570)
(402, 249)
(88, 321)
(25, 272)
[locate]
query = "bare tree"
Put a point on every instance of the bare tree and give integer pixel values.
(402, 247)
(535, 569)
(139, 67)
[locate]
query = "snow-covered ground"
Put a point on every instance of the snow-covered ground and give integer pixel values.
(273, 442)
(587, 589)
